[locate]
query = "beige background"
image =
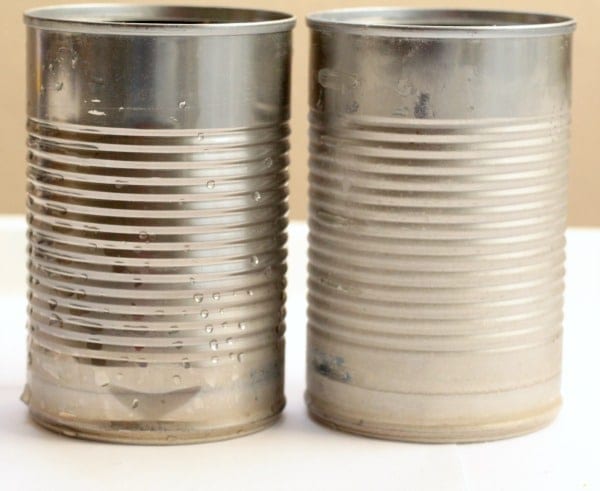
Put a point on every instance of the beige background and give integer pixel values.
(584, 206)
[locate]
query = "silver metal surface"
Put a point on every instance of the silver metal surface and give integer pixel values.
(157, 190)
(438, 174)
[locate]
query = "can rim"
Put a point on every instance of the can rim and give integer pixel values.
(440, 23)
(158, 20)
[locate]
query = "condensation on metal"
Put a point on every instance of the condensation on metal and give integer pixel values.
(438, 181)
(157, 188)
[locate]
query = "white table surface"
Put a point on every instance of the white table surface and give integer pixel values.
(296, 453)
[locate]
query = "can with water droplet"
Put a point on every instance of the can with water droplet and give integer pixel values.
(152, 129)
(438, 182)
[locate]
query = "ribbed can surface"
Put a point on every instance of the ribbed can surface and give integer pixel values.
(157, 187)
(438, 174)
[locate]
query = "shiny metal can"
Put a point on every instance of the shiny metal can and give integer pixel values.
(438, 191)
(157, 199)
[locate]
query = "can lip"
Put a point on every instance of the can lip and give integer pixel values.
(158, 20)
(440, 23)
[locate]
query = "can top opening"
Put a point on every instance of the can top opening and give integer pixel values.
(166, 20)
(440, 23)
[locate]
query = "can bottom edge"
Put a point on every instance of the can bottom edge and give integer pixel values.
(439, 433)
(165, 436)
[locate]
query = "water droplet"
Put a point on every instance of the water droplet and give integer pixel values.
(52, 304)
(186, 363)
(200, 136)
(50, 66)
(404, 87)
(214, 345)
(231, 356)
(198, 297)
(257, 196)
(178, 344)
(330, 79)
(55, 320)
(94, 112)
(58, 86)
(96, 101)
(143, 235)
(241, 357)
(204, 314)
(242, 326)
(254, 260)
(210, 184)
(209, 328)
(192, 280)
(268, 162)
(121, 108)
(214, 360)
(101, 379)
(216, 296)
(182, 105)
(268, 271)
(66, 415)
(249, 293)
(176, 379)
(135, 403)
(229, 340)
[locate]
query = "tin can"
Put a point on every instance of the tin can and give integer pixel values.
(157, 198)
(438, 192)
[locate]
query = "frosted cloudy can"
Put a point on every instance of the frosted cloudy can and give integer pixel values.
(439, 143)
(156, 178)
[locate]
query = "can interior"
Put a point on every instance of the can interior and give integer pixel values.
(435, 18)
(168, 21)
(153, 15)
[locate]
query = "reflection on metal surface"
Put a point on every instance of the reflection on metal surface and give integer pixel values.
(157, 198)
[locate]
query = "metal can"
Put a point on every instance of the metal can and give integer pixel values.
(157, 198)
(438, 192)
